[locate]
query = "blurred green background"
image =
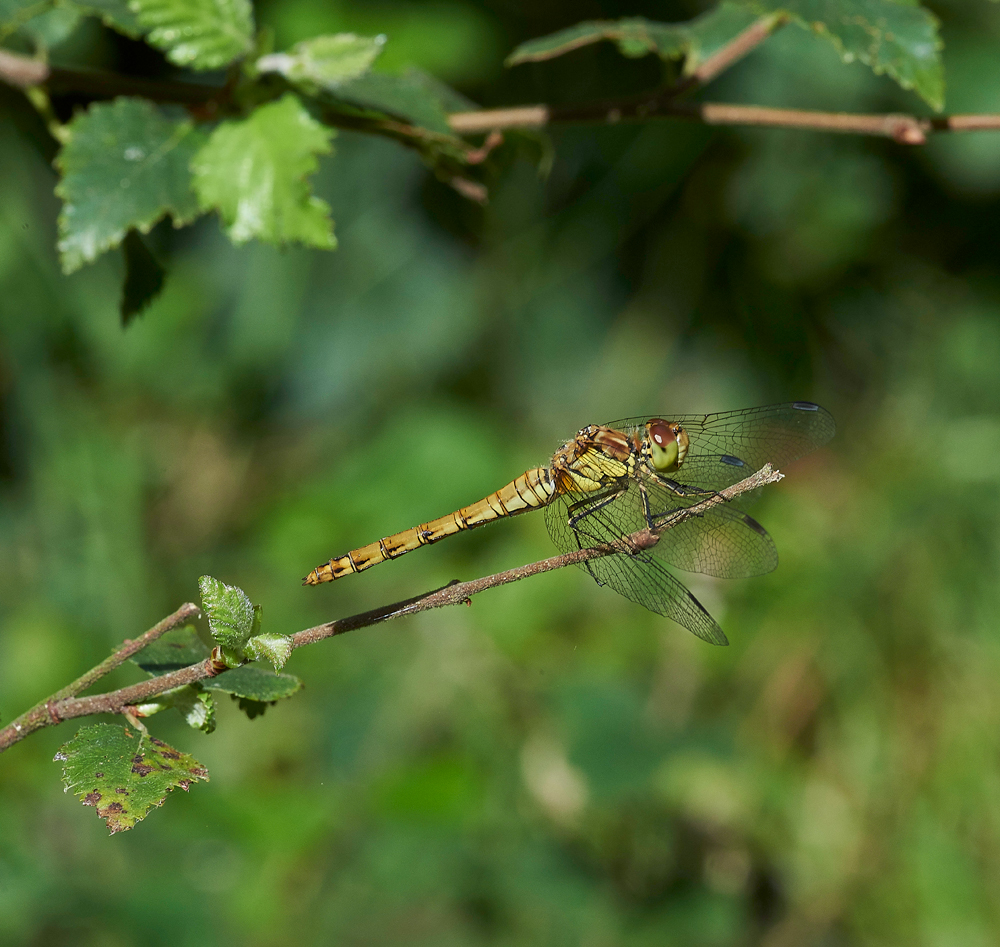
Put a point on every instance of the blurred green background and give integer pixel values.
(550, 766)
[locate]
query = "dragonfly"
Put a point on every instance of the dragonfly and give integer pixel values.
(653, 477)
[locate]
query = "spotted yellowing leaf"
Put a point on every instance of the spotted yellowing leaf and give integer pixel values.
(123, 774)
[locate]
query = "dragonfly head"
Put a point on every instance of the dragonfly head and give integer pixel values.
(666, 445)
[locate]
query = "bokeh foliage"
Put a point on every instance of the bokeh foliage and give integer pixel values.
(551, 765)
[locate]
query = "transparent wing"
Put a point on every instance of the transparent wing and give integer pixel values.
(721, 541)
(729, 446)
(638, 576)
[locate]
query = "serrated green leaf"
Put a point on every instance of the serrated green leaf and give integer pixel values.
(273, 648)
(199, 34)
(898, 39)
(144, 277)
(125, 165)
(113, 13)
(636, 36)
(254, 173)
(324, 62)
(253, 683)
(229, 611)
(124, 774)
(413, 96)
(176, 649)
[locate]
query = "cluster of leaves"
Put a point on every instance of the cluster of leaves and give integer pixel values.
(248, 150)
(125, 772)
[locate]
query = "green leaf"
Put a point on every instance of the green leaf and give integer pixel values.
(413, 96)
(635, 36)
(113, 13)
(325, 61)
(144, 277)
(254, 688)
(191, 702)
(895, 38)
(254, 683)
(229, 611)
(124, 774)
(52, 27)
(125, 165)
(14, 14)
(273, 648)
(176, 649)
(254, 172)
(199, 34)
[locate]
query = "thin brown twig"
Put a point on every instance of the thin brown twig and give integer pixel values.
(65, 705)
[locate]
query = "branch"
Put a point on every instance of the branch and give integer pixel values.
(65, 705)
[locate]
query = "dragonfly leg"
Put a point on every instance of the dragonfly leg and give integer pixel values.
(592, 505)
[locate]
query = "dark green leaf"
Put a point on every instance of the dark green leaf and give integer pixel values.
(229, 611)
(324, 62)
(254, 683)
(199, 34)
(635, 36)
(143, 277)
(175, 650)
(113, 13)
(14, 14)
(191, 702)
(52, 27)
(254, 172)
(413, 96)
(898, 39)
(126, 165)
(124, 774)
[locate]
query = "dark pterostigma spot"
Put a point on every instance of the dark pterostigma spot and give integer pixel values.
(805, 406)
(732, 461)
(754, 525)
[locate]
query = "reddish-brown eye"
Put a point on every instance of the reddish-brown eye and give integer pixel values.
(661, 433)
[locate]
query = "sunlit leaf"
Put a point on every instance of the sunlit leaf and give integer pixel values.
(123, 774)
(255, 173)
(324, 62)
(229, 611)
(273, 648)
(199, 34)
(125, 166)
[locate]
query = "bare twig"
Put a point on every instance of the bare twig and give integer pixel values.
(65, 705)
(26, 73)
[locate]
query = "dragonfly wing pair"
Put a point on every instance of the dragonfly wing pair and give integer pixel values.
(721, 541)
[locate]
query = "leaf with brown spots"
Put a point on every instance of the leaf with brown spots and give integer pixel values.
(123, 774)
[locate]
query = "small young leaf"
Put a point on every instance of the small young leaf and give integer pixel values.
(191, 702)
(126, 165)
(229, 611)
(324, 62)
(143, 277)
(124, 774)
(253, 683)
(199, 34)
(273, 648)
(254, 172)
(113, 13)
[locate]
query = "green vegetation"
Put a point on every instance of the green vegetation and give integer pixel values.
(552, 764)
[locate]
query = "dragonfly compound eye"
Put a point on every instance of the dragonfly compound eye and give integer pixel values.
(668, 444)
